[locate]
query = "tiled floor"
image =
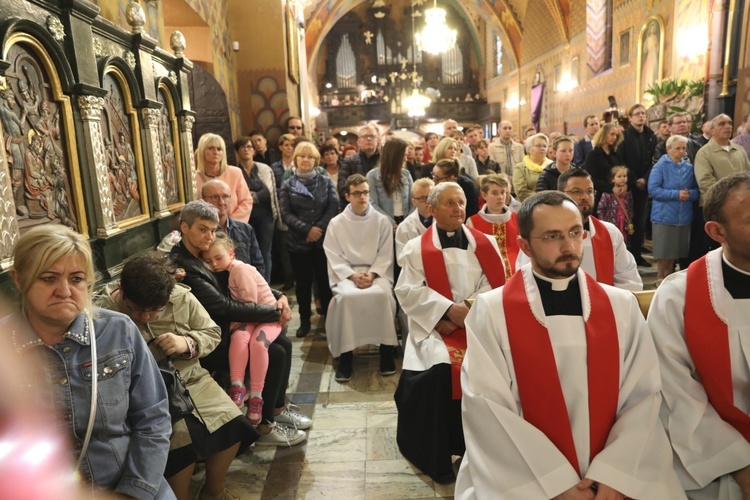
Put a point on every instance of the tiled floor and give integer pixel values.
(351, 450)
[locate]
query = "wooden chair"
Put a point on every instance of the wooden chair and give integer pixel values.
(644, 300)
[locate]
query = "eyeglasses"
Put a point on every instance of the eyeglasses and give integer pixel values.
(294, 127)
(217, 197)
(421, 199)
(369, 137)
(437, 178)
(359, 193)
(133, 308)
(539, 146)
(580, 192)
(559, 237)
(247, 146)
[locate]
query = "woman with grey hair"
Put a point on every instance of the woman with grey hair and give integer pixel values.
(526, 173)
(673, 187)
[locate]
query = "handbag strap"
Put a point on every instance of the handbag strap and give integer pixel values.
(624, 210)
(94, 390)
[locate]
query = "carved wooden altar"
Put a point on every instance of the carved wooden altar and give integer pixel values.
(96, 129)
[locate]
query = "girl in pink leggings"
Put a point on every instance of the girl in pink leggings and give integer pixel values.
(249, 341)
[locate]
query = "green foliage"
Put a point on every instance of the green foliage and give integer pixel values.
(670, 88)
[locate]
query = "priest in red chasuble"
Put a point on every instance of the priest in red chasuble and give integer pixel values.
(561, 386)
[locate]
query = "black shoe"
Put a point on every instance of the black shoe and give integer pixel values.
(304, 329)
(387, 365)
(641, 262)
(344, 371)
(645, 250)
(287, 286)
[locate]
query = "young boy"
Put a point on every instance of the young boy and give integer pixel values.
(496, 219)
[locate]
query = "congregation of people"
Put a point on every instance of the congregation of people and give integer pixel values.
(503, 272)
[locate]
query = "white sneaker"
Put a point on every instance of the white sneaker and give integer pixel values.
(281, 435)
(291, 417)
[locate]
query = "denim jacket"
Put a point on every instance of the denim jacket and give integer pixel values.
(384, 203)
(130, 441)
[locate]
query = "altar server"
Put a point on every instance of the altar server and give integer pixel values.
(605, 256)
(359, 249)
(700, 319)
(418, 220)
(449, 263)
(560, 379)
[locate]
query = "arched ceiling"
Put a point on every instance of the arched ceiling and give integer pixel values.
(502, 16)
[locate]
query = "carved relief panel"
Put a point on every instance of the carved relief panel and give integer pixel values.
(119, 125)
(169, 145)
(39, 139)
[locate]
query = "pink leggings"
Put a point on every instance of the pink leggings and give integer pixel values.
(250, 342)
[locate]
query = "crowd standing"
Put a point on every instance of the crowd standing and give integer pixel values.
(392, 240)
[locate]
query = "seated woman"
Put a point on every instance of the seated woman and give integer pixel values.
(198, 223)
(129, 435)
(176, 326)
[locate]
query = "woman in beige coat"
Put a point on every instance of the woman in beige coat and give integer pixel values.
(526, 173)
(175, 325)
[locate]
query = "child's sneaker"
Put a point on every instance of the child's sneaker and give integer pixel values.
(237, 395)
(254, 410)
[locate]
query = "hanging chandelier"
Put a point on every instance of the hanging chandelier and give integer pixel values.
(416, 103)
(436, 37)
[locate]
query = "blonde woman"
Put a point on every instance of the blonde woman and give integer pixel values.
(526, 173)
(602, 158)
(211, 161)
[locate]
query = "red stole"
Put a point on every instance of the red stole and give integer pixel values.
(437, 279)
(707, 339)
(539, 389)
(506, 235)
(604, 254)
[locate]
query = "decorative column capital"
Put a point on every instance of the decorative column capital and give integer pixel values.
(91, 107)
(187, 122)
(151, 116)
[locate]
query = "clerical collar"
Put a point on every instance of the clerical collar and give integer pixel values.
(736, 281)
(586, 224)
(426, 221)
(560, 297)
(455, 239)
(494, 218)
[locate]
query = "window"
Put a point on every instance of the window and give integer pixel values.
(498, 56)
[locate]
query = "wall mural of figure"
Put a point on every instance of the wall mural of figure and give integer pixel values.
(650, 57)
(118, 147)
(33, 141)
(168, 157)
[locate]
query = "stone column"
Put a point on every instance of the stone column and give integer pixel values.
(151, 117)
(186, 129)
(8, 222)
(93, 145)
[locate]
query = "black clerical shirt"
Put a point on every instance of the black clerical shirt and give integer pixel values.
(563, 302)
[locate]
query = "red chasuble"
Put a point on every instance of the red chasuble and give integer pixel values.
(437, 278)
(604, 254)
(506, 235)
(707, 339)
(539, 388)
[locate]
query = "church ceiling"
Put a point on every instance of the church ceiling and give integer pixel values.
(503, 16)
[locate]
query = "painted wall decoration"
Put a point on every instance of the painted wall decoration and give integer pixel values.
(121, 142)
(650, 57)
(169, 148)
(38, 137)
(625, 48)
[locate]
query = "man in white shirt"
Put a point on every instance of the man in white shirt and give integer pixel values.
(605, 257)
(699, 319)
(419, 220)
(449, 263)
(359, 248)
(560, 380)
